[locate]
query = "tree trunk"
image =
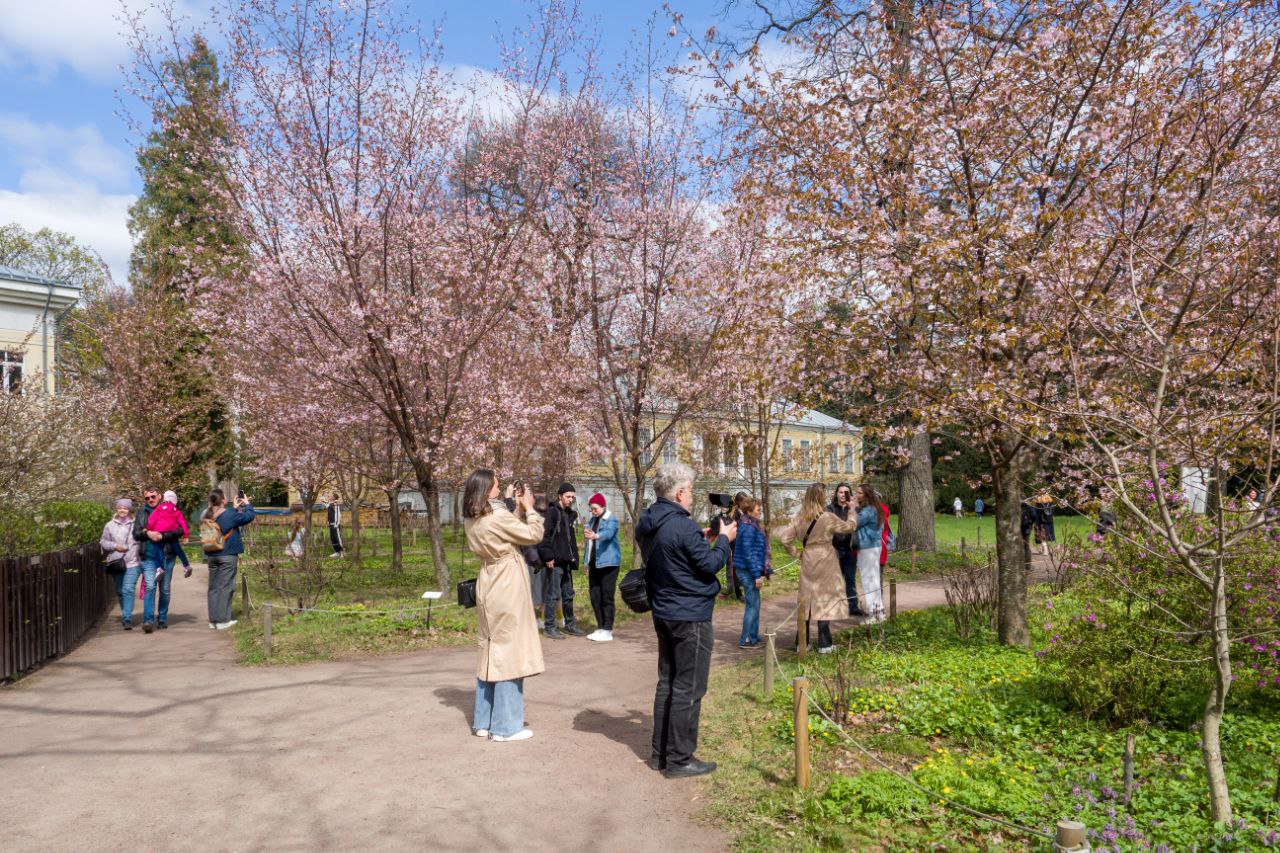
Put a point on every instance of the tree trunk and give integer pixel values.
(355, 526)
(915, 497)
(397, 537)
(1012, 604)
(431, 496)
(1215, 705)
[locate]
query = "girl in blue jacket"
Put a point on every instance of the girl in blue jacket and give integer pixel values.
(750, 564)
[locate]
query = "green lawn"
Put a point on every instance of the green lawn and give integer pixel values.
(981, 724)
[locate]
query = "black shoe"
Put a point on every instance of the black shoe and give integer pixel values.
(656, 763)
(148, 627)
(162, 625)
(693, 768)
(128, 626)
(553, 634)
(574, 631)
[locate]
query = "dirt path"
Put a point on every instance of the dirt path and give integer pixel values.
(163, 740)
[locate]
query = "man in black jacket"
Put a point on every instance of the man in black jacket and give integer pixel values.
(681, 577)
(846, 548)
(559, 553)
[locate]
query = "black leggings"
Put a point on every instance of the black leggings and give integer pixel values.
(601, 584)
(824, 633)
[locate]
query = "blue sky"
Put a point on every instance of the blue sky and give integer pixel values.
(66, 151)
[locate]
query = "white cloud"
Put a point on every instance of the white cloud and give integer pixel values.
(69, 179)
(84, 34)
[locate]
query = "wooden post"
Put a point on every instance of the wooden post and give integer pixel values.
(1070, 836)
(266, 630)
(893, 596)
(769, 640)
(913, 561)
(1128, 768)
(964, 550)
(800, 699)
(244, 596)
(979, 534)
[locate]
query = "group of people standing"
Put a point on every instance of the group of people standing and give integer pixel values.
(517, 542)
(147, 544)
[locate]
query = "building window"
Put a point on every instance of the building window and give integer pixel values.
(645, 440)
(787, 459)
(805, 461)
(670, 452)
(833, 461)
(730, 455)
(10, 371)
(751, 454)
(710, 452)
(848, 458)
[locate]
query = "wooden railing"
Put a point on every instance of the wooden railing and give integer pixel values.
(47, 603)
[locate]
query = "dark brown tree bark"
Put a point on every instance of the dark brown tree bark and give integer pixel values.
(916, 497)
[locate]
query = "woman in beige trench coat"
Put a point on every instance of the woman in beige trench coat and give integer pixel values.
(509, 647)
(821, 583)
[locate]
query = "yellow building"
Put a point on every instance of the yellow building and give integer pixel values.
(30, 306)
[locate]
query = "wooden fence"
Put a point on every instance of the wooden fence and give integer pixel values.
(47, 603)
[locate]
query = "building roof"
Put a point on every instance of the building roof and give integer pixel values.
(817, 420)
(14, 274)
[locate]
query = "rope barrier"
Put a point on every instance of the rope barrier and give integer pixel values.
(945, 800)
(294, 610)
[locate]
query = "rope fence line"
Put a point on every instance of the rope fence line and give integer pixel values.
(353, 612)
(942, 798)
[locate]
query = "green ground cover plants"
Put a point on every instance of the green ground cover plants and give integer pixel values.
(986, 726)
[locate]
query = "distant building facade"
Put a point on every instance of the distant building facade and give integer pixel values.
(30, 306)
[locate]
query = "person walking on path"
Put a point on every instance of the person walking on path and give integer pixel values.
(750, 564)
(151, 550)
(846, 548)
(957, 507)
(223, 544)
(1044, 522)
(682, 580)
(821, 584)
(873, 517)
(334, 515)
(559, 552)
(604, 559)
(978, 507)
(121, 550)
(166, 518)
(507, 635)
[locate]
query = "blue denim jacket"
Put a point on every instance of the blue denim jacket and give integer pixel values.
(607, 550)
(869, 527)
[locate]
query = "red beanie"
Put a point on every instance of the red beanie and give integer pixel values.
(596, 500)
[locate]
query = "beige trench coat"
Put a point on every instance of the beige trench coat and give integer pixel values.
(508, 637)
(821, 584)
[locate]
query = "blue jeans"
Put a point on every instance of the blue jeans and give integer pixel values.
(117, 579)
(499, 707)
(751, 615)
(148, 571)
(157, 556)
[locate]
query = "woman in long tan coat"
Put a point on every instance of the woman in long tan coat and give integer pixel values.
(821, 582)
(509, 647)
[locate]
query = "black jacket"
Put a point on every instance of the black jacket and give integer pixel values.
(843, 544)
(529, 552)
(558, 540)
(680, 567)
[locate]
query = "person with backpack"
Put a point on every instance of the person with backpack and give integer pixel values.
(223, 544)
(821, 584)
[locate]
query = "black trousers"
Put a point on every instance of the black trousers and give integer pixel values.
(602, 584)
(824, 633)
(335, 538)
(684, 660)
(849, 571)
(558, 583)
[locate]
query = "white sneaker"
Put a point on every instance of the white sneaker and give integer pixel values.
(335, 554)
(605, 636)
(212, 626)
(523, 734)
(222, 626)
(480, 732)
(826, 650)
(595, 635)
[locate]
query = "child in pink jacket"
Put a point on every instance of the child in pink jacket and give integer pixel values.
(166, 518)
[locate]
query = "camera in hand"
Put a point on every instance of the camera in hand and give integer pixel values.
(724, 503)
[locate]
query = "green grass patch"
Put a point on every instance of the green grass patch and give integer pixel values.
(980, 724)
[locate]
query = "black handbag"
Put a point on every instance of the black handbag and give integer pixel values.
(633, 591)
(467, 593)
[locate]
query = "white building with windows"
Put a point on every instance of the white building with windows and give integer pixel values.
(30, 306)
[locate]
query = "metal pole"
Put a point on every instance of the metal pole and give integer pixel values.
(800, 697)
(266, 630)
(430, 602)
(769, 647)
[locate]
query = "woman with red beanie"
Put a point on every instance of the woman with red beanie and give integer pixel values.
(604, 558)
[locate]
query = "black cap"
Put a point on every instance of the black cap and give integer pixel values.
(565, 487)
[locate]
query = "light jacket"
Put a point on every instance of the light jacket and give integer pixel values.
(507, 635)
(869, 527)
(116, 532)
(607, 551)
(821, 584)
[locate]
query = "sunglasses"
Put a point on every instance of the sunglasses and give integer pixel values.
(151, 497)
